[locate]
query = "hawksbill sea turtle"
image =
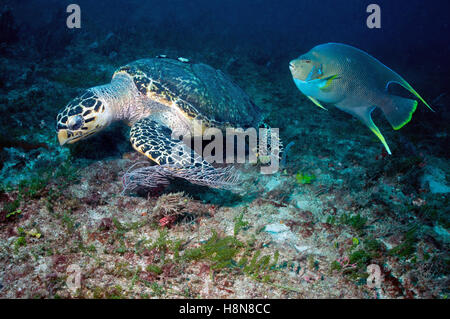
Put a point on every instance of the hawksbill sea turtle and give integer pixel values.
(157, 97)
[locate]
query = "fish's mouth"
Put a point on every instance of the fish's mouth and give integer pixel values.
(67, 137)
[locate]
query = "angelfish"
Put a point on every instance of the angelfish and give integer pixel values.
(354, 82)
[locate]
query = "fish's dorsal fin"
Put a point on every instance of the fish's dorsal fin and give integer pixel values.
(408, 87)
(317, 103)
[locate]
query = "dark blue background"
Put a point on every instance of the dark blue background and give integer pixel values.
(413, 39)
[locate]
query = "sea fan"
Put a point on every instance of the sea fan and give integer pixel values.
(148, 176)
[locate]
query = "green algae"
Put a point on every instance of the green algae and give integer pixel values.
(240, 223)
(303, 178)
(408, 247)
(219, 251)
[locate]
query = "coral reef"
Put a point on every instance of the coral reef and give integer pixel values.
(338, 205)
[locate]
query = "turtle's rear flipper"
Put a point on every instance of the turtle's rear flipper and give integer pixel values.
(154, 139)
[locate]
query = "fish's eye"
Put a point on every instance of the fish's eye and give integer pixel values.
(307, 61)
(76, 122)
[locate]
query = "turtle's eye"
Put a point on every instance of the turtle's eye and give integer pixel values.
(75, 123)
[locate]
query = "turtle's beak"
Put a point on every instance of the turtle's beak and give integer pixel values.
(69, 137)
(62, 137)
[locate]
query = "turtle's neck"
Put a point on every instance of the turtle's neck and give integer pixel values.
(123, 99)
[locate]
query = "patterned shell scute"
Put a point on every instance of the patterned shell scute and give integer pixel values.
(198, 90)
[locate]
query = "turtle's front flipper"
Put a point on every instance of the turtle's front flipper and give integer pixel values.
(154, 139)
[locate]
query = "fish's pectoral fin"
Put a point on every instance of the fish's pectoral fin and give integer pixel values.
(326, 82)
(317, 103)
(408, 87)
(364, 114)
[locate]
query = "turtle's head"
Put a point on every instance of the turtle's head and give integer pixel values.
(82, 117)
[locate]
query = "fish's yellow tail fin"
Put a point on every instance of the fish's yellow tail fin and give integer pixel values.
(398, 110)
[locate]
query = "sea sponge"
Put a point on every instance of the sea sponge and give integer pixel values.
(171, 205)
